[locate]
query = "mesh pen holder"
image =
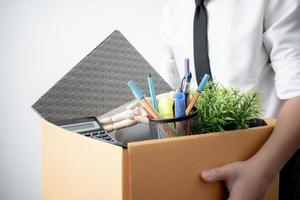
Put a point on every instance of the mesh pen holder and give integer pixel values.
(188, 125)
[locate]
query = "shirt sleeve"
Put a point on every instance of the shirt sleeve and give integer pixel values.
(168, 69)
(282, 42)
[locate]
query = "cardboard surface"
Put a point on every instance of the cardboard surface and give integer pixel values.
(170, 168)
(75, 167)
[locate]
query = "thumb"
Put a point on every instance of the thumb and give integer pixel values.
(218, 174)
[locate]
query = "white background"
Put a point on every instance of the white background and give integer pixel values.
(39, 42)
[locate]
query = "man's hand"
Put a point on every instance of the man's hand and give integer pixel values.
(248, 180)
(244, 181)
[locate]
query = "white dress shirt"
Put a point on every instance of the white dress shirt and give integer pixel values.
(252, 44)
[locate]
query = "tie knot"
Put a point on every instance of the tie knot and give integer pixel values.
(199, 2)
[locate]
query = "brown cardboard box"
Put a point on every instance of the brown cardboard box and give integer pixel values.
(76, 167)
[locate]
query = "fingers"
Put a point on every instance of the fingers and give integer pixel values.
(121, 124)
(219, 173)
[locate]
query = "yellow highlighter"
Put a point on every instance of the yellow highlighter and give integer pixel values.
(165, 107)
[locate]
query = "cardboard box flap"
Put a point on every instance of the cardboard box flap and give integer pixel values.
(174, 164)
(77, 167)
(98, 83)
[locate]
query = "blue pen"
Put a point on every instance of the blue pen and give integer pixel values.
(152, 92)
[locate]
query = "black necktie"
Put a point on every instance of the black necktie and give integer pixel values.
(200, 41)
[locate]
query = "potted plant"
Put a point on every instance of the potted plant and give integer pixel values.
(223, 109)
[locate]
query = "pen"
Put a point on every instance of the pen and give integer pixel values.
(153, 99)
(152, 92)
(197, 93)
(187, 77)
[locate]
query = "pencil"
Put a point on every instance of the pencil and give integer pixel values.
(197, 94)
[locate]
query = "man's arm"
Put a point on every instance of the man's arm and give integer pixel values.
(284, 141)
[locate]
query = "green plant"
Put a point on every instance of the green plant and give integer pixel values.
(223, 108)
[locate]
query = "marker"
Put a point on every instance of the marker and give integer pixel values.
(140, 96)
(180, 105)
(182, 126)
(152, 92)
(197, 93)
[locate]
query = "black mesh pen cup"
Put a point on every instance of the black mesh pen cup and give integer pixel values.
(188, 125)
